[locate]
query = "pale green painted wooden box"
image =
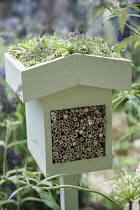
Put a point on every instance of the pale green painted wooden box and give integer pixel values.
(63, 98)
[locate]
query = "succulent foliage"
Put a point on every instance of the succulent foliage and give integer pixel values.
(41, 49)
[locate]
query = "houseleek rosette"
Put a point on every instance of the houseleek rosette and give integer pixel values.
(41, 49)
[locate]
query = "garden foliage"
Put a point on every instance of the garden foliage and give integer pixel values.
(22, 184)
(38, 50)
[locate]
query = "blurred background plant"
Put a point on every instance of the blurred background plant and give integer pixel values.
(23, 19)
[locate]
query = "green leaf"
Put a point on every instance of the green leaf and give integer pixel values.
(15, 178)
(120, 1)
(135, 91)
(131, 120)
(131, 110)
(18, 52)
(127, 41)
(48, 199)
(98, 12)
(3, 124)
(135, 84)
(19, 116)
(55, 176)
(131, 107)
(106, 180)
(31, 179)
(15, 123)
(31, 199)
(129, 133)
(17, 143)
(138, 95)
(45, 182)
(133, 15)
(23, 46)
(18, 190)
(116, 102)
(7, 201)
(12, 47)
(39, 172)
(34, 41)
(3, 196)
(14, 171)
(117, 94)
(23, 182)
(119, 97)
(108, 18)
(121, 23)
(2, 181)
(136, 45)
(133, 98)
(27, 43)
(122, 20)
(134, 6)
(30, 174)
(133, 66)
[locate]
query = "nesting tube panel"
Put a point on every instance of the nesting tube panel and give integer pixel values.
(78, 133)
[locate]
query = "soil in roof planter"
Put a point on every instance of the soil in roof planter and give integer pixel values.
(67, 82)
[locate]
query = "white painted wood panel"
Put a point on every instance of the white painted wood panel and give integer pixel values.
(69, 197)
(105, 72)
(13, 76)
(62, 73)
(48, 82)
(36, 132)
(53, 64)
(78, 96)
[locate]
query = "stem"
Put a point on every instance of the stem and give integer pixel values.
(131, 28)
(8, 131)
(18, 195)
(15, 136)
(18, 206)
(78, 188)
(105, 4)
(133, 24)
(130, 205)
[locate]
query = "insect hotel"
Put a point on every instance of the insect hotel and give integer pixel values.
(69, 109)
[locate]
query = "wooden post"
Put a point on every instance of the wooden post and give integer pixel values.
(69, 197)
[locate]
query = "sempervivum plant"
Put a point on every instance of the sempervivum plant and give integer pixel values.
(41, 49)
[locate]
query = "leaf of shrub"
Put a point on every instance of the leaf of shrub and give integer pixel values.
(48, 199)
(18, 190)
(7, 201)
(32, 199)
(45, 182)
(17, 143)
(126, 41)
(15, 178)
(131, 109)
(30, 174)
(54, 176)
